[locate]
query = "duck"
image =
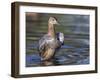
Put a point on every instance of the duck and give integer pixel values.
(50, 42)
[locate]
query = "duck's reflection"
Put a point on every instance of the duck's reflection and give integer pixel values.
(49, 62)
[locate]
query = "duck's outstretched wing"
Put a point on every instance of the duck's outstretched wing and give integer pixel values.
(60, 38)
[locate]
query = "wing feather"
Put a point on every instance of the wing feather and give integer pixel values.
(42, 44)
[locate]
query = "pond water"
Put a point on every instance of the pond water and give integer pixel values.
(73, 52)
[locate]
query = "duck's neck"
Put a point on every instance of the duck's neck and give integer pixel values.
(51, 30)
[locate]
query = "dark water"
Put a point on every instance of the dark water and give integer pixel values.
(75, 50)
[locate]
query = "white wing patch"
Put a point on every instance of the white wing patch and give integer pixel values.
(61, 37)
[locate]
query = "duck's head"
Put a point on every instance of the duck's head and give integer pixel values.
(53, 20)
